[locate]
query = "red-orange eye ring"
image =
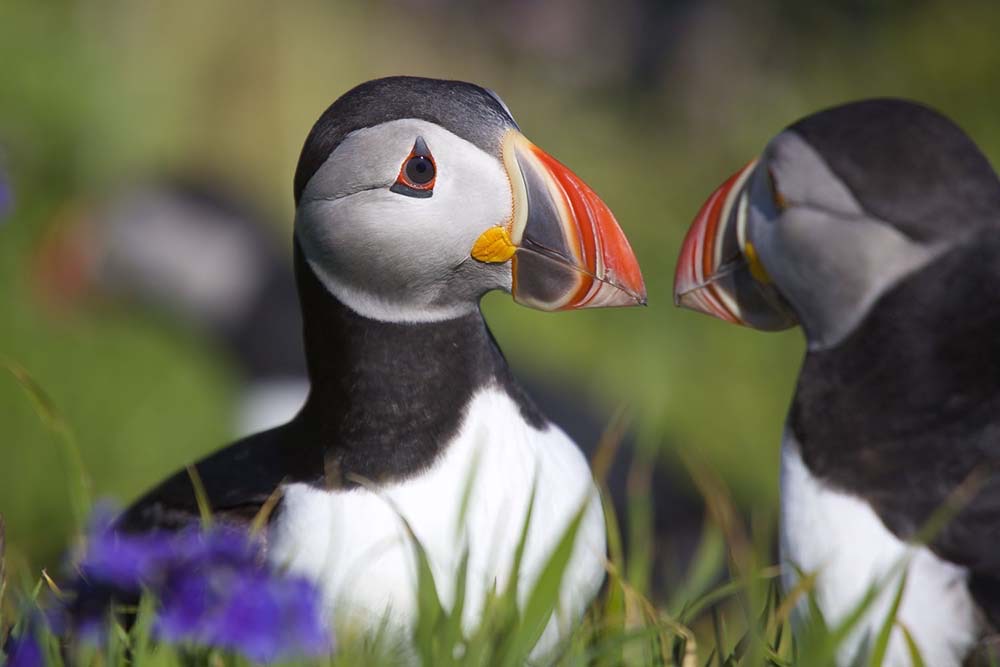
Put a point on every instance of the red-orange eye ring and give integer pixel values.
(418, 172)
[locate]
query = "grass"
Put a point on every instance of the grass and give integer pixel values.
(729, 612)
(742, 621)
(97, 95)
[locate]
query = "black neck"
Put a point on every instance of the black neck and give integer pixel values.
(386, 398)
(918, 382)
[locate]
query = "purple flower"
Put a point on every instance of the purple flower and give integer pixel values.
(24, 650)
(127, 562)
(213, 587)
(264, 613)
(183, 606)
(6, 196)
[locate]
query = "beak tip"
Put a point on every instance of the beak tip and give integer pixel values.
(681, 302)
(637, 294)
(573, 252)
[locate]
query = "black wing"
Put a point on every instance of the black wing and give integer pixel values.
(238, 480)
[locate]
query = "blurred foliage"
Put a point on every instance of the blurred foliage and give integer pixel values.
(652, 103)
(741, 621)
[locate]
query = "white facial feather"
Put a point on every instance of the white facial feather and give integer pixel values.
(839, 537)
(393, 257)
(830, 258)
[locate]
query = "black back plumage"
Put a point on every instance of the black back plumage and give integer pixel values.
(239, 480)
(906, 410)
(467, 110)
(906, 164)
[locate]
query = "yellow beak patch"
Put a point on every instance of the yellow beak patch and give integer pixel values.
(757, 269)
(493, 246)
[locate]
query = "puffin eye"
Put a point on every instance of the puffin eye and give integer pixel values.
(418, 172)
(779, 200)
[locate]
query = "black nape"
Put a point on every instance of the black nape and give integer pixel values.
(907, 164)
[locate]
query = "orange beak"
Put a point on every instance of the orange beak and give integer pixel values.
(567, 250)
(718, 273)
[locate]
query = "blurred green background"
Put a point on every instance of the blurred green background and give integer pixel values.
(652, 103)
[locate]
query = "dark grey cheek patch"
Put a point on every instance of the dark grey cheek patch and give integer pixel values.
(542, 278)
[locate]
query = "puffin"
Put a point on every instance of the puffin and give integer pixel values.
(414, 198)
(875, 227)
(187, 249)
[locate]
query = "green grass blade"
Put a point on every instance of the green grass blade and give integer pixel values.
(728, 589)
(78, 481)
(452, 634)
(139, 636)
(705, 566)
(200, 496)
(881, 646)
(916, 660)
(470, 483)
(430, 611)
(719, 635)
(640, 526)
(613, 609)
(820, 644)
(610, 649)
(515, 569)
(544, 596)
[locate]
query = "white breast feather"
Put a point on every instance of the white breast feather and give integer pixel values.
(354, 544)
(841, 538)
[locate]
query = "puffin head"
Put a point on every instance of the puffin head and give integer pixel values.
(414, 197)
(840, 207)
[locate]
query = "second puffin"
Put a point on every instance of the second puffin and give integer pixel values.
(876, 226)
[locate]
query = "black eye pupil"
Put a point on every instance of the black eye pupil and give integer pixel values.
(419, 170)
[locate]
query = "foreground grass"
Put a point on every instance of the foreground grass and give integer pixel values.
(725, 610)
(741, 620)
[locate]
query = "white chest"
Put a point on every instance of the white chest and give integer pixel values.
(355, 544)
(841, 538)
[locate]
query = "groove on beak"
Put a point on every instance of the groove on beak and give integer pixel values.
(714, 275)
(570, 251)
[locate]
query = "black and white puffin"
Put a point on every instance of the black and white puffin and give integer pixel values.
(876, 227)
(188, 250)
(192, 251)
(414, 197)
